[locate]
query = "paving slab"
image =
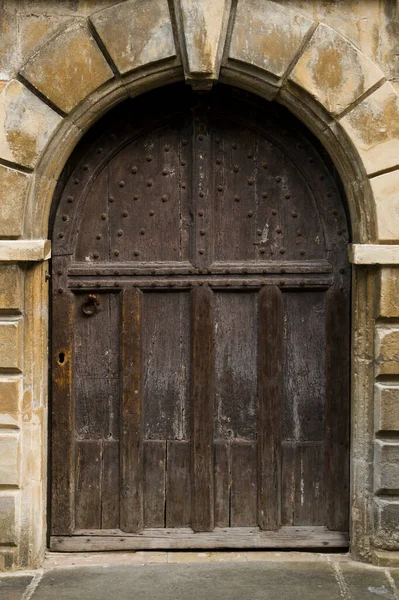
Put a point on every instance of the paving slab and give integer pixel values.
(366, 583)
(13, 588)
(212, 581)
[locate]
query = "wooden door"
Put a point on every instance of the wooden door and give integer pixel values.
(200, 321)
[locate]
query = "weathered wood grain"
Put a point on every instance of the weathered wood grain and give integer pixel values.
(154, 483)
(270, 363)
(202, 393)
(62, 409)
(232, 537)
(131, 417)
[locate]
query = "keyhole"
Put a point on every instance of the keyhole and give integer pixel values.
(61, 358)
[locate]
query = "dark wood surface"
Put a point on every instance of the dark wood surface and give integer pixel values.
(201, 312)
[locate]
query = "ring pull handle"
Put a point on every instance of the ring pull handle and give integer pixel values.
(92, 305)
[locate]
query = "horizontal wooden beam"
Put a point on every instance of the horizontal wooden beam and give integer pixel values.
(186, 538)
(373, 254)
(25, 250)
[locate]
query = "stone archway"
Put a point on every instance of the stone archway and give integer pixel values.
(279, 54)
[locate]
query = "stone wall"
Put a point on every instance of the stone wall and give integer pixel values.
(64, 64)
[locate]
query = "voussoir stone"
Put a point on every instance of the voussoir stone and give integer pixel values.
(136, 33)
(14, 187)
(26, 124)
(373, 126)
(334, 71)
(68, 68)
(267, 35)
(386, 196)
(204, 24)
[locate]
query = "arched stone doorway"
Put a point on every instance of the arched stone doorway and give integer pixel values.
(200, 331)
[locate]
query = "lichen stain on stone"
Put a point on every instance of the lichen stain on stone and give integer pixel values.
(328, 69)
(378, 124)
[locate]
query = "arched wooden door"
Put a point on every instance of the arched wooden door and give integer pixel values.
(200, 324)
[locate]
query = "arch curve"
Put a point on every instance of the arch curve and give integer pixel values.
(254, 61)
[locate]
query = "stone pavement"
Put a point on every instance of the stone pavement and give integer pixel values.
(202, 576)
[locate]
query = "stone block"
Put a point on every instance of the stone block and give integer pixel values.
(389, 292)
(10, 395)
(26, 124)
(267, 35)
(386, 523)
(387, 350)
(14, 187)
(386, 196)
(68, 68)
(11, 345)
(204, 52)
(386, 407)
(7, 520)
(9, 462)
(136, 33)
(386, 467)
(334, 71)
(373, 127)
(11, 297)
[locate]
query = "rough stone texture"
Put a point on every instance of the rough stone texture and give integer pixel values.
(387, 350)
(267, 36)
(233, 581)
(386, 407)
(10, 288)
(333, 71)
(373, 127)
(386, 524)
(7, 519)
(11, 345)
(10, 393)
(26, 124)
(64, 62)
(370, 25)
(148, 37)
(386, 194)
(14, 188)
(389, 293)
(373, 254)
(68, 68)
(24, 250)
(364, 583)
(386, 467)
(9, 464)
(204, 25)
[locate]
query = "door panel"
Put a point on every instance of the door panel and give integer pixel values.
(200, 332)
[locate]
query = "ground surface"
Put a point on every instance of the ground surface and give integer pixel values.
(202, 576)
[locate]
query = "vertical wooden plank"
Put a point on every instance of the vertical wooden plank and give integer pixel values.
(178, 505)
(270, 357)
(287, 483)
(222, 484)
(166, 348)
(131, 418)
(337, 408)
(62, 447)
(88, 484)
(202, 403)
(110, 486)
(243, 484)
(309, 493)
(154, 483)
